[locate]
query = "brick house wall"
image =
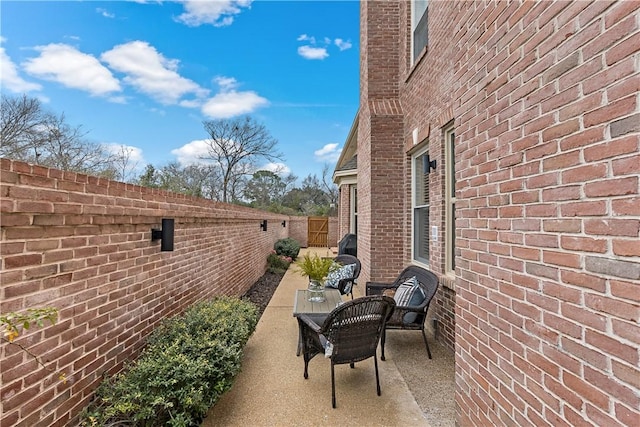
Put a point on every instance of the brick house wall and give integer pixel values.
(381, 222)
(548, 164)
(544, 306)
(83, 245)
(344, 211)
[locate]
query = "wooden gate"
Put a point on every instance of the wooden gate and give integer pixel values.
(318, 231)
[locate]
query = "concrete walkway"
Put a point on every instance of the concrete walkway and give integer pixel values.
(271, 390)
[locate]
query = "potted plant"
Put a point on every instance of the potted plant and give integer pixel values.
(317, 269)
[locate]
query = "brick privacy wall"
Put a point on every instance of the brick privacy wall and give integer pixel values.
(548, 167)
(83, 245)
(298, 228)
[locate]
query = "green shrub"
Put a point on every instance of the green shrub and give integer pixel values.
(188, 363)
(287, 247)
(278, 264)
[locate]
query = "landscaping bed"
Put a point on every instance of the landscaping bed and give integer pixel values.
(262, 290)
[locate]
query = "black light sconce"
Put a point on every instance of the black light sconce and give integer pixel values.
(284, 223)
(263, 225)
(428, 164)
(165, 234)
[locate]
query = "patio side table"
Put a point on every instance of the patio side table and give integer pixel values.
(319, 310)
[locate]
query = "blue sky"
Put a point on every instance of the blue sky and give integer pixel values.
(146, 74)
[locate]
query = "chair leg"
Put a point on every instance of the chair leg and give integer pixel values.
(333, 387)
(382, 338)
(426, 343)
(375, 362)
(306, 368)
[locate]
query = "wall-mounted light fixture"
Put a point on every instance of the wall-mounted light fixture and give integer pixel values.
(428, 164)
(165, 234)
(263, 225)
(284, 223)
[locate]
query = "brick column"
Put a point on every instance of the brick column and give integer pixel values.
(380, 140)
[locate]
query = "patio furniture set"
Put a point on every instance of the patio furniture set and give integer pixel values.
(349, 332)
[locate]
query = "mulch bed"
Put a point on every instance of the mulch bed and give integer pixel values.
(261, 291)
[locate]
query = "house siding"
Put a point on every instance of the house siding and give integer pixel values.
(543, 310)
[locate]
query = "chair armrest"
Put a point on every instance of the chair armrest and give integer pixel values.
(342, 284)
(310, 322)
(377, 288)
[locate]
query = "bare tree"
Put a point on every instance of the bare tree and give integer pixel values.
(22, 119)
(234, 147)
(31, 134)
(195, 180)
(330, 188)
(62, 146)
(123, 163)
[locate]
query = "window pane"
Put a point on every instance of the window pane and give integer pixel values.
(421, 234)
(421, 197)
(452, 165)
(419, 27)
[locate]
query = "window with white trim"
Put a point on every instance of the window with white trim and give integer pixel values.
(450, 199)
(354, 210)
(419, 27)
(420, 204)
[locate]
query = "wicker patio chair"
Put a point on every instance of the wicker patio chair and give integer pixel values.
(349, 334)
(408, 317)
(345, 286)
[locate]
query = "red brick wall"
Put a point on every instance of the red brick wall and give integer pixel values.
(549, 214)
(298, 227)
(83, 245)
(428, 99)
(544, 99)
(333, 236)
(344, 210)
(381, 162)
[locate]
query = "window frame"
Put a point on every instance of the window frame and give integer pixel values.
(450, 199)
(353, 202)
(417, 165)
(418, 23)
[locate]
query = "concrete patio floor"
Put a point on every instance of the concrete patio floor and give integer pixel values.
(271, 390)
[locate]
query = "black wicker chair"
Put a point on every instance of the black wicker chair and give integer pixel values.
(428, 282)
(352, 331)
(345, 286)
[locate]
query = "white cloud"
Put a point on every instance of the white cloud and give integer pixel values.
(310, 52)
(118, 99)
(226, 83)
(277, 168)
(192, 152)
(150, 72)
(342, 44)
(328, 153)
(67, 65)
(229, 102)
(219, 13)
(105, 12)
(10, 78)
(134, 153)
(306, 38)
